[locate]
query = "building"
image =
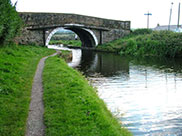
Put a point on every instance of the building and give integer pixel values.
(173, 28)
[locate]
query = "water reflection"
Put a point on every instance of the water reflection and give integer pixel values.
(105, 64)
(76, 58)
(145, 94)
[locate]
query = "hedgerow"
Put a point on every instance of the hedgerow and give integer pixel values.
(147, 43)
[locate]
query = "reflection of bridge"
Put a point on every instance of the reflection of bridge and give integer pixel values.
(106, 64)
(39, 27)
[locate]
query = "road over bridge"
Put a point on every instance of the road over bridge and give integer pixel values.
(39, 28)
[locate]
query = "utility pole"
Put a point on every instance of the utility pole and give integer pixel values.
(16, 3)
(148, 14)
(170, 15)
(178, 15)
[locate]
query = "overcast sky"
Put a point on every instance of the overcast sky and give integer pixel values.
(126, 10)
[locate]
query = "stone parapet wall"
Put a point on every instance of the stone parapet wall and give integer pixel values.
(51, 19)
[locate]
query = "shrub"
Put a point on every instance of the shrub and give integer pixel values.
(145, 42)
(158, 43)
(141, 31)
(10, 22)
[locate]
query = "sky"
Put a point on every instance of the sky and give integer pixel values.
(125, 10)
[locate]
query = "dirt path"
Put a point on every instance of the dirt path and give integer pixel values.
(35, 122)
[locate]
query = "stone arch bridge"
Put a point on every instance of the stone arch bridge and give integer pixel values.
(92, 31)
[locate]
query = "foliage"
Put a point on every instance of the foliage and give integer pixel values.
(63, 36)
(141, 31)
(17, 68)
(117, 45)
(72, 107)
(10, 22)
(76, 43)
(157, 43)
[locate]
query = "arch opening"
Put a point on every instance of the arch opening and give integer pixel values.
(62, 36)
(86, 36)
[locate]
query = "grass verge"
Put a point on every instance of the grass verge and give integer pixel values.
(72, 107)
(17, 68)
(156, 43)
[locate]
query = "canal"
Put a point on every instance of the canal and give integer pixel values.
(143, 93)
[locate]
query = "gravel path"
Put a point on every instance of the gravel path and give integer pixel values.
(35, 122)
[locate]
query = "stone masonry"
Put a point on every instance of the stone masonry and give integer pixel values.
(38, 26)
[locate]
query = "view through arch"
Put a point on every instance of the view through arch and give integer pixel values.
(63, 36)
(73, 36)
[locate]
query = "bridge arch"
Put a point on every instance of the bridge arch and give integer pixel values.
(87, 36)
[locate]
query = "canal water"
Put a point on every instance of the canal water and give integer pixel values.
(144, 94)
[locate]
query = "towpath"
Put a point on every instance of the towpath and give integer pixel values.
(35, 122)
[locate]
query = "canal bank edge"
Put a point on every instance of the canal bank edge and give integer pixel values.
(143, 43)
(72, 107)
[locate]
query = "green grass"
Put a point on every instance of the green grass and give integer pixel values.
(76, 43)
(17, 68)
(72, 107)
(116, 46)
(156, 43)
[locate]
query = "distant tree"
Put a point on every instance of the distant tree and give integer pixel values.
(10, 22)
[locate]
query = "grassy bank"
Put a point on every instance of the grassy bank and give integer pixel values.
(72, 107)
(17, 68)
(156, 43)
(66, 55)
(76, 43)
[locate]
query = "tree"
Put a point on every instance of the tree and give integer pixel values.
(10, 22)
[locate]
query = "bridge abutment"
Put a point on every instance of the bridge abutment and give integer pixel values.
(28, 37)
